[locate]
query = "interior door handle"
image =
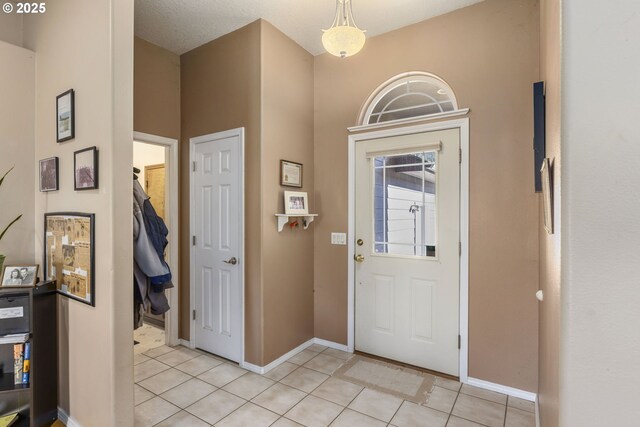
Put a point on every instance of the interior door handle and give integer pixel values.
(358, 258)
(232, 261)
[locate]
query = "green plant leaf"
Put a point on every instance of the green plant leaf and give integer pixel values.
(10, 224)
(2, 179)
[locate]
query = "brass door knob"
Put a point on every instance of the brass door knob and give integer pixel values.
(358, 258)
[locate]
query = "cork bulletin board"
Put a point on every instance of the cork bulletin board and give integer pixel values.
(69, 254)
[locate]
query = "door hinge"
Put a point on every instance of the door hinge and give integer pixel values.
(459, 340)
(460, 157)
(194, 166)
(193, 240)
(194, 317)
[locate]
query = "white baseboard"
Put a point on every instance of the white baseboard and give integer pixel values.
(264, 369)
(522, 394)
(331, 344)
(67, 419)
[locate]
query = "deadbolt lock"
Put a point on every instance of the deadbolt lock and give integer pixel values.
(360, 242)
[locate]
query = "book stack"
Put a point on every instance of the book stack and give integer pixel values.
(21, 363)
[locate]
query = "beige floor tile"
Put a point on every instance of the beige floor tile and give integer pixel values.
(338, 354)
(317, 348)
(376, 404)
(523, 405)
(215, 406)
(158, 351)
(249, 415)
(141, 395)
(148, 369)
(314, 412)
(279, 398)
(338, 391)
(284, 422)
(182, 419)
(177, 356)
(519, 418)
(164, 381)
(410, 415)
(303, 357)
(249, 385)
(188, 392)
(442, 399)
(153, 411)
(349, 418)
(461, 422)
(222, 374)
(484, 394)
(281, 371)
(304, 379)
(323, 363)
(479, 410)
(198, 365)
(139, 358)
(448, 384)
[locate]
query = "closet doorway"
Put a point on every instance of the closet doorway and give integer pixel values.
(157, 159)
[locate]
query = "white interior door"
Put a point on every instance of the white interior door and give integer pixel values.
(217, 226)
(407, 249)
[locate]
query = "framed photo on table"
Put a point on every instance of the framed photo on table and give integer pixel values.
(19, 275)
(296, 203)
(65, 116)
(290, 174)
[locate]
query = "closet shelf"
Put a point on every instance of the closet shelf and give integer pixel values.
(284, 218)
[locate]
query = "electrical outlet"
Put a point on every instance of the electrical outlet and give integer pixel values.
(338, 238)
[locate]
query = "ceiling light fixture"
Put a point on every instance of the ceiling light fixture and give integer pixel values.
(344, 38)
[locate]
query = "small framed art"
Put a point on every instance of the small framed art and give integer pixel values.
(290, 174)
(20, 275)
(65, 116)
(296, 203)
(85, 169)
(547, 194)
(49, 174)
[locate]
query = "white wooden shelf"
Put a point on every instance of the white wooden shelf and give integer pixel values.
(284, 218)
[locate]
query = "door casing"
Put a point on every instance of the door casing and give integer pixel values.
(463, 126)
(238, 132)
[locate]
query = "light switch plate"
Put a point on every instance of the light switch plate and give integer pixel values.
(338, 238)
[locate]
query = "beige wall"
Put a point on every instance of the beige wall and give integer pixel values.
(550, 53)
(17, 117)
(156, 90)
(287, 133)
(11, 28)
(220, 86)
(488, 53)
(96, 354)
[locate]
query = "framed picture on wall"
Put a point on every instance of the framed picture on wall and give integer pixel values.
(296, 203)
(65, 116)
(547, 195)
(290, 174)
(85, 169)
(49, 174)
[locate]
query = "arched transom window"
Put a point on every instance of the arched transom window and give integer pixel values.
(409, 96)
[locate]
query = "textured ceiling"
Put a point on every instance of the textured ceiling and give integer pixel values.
(182, 25)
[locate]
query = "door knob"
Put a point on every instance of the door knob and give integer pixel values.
(358, 258)
(232, 261)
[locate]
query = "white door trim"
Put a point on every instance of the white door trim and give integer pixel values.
(463, 125)
(172, 320)
(239, 132)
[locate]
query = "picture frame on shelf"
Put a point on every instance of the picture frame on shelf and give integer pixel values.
(547, 194)
(65, 116)
(296, 203)
(85, 169)
(19, 275)
(290, 174)
(69, 254)
(49, 174)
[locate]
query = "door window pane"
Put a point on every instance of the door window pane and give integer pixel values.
(404, 204)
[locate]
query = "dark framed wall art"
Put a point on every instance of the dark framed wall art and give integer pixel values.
(65, 116)
(85, 169)
(49, 174)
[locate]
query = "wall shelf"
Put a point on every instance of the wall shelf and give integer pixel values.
(284, 218)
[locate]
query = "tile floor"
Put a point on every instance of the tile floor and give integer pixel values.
(180, 387)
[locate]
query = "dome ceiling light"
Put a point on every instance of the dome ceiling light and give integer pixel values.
(344, 38)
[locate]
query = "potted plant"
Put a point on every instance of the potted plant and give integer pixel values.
(2, 257)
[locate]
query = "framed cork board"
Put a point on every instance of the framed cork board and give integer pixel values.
(69, 254)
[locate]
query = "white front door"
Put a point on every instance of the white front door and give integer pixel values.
(407, 256)
(217, 247)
